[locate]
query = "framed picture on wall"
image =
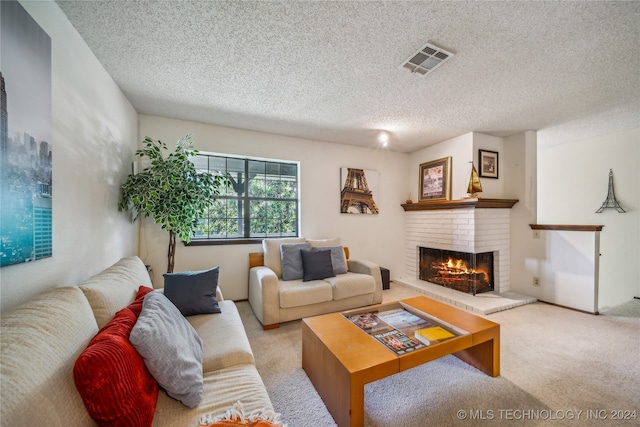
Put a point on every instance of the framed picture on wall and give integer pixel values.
(359, 190)
(488, 163)
(435, 180)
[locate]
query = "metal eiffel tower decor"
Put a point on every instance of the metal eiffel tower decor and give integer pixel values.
(611, 202)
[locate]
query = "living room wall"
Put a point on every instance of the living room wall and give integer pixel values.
(573, 176)
(462, 150)
(379, 238)
(94, 137)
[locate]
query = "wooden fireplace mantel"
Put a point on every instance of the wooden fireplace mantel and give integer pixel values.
(566, 227)
(470, 203)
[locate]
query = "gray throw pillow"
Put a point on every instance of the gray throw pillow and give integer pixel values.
(337, 257)
(317, 265)
(170, 347)
(193, 292)
(292, 260)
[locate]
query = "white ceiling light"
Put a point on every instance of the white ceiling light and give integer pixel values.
(383, 138)
(426, 59)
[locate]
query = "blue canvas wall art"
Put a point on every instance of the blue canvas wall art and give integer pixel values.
(25, 138)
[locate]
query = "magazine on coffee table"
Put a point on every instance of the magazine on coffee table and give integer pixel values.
(397, 341)
(400, 330)
(393, 328)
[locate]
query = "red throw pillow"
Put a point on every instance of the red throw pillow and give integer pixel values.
(112, 379)
(136, 305)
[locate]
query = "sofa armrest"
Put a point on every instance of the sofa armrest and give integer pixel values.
(263, 296)
(372, 269)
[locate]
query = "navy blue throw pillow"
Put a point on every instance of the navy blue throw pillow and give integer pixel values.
(316, 265)
(193, 292)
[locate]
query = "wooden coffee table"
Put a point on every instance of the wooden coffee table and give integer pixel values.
(340, 358)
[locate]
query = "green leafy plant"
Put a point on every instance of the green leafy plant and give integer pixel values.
(171, 190)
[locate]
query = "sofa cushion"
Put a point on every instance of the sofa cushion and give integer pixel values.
(39, 343)
(324, 242)
(351, 284)
(193, 292)
(292, 260)
(338, 260)
(224, 340)
(114, 288)
(296, 293)
(112, 379)
(170, 347)
(316, 265)
(272, 257)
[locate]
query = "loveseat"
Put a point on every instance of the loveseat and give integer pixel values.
(280, 291)
(43, 338)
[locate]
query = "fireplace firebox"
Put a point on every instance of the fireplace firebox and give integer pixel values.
(466, 272)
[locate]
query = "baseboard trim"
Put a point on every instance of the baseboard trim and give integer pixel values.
(570, 308)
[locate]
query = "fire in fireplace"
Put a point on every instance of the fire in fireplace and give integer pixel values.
(462, 271)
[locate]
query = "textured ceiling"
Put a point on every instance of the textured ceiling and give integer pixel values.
(331, 70)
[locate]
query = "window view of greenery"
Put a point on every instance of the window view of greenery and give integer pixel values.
(261, 200)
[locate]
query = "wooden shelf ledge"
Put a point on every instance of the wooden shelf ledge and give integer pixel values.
(566, 227)
(470, 203)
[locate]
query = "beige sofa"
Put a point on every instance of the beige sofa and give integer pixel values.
(42, 338)
(275, 300)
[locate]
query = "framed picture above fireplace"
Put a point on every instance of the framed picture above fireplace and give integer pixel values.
(488, 163)
(435, 180)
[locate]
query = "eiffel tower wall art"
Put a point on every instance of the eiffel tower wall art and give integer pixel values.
(358, 191)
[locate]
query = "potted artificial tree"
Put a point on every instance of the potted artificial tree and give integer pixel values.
(170, 190)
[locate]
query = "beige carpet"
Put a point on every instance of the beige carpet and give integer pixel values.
(558, 367)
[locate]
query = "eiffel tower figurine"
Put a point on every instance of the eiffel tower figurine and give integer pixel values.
(611, 202)
(356, 194)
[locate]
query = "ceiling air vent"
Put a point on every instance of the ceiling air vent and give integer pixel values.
(426, 59)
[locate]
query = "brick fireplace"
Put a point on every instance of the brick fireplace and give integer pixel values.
(472, 226)
(463, 271)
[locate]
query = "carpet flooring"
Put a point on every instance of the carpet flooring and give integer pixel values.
(559, 367)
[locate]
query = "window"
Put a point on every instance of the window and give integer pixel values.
(261, 201)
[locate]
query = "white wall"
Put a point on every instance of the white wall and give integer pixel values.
(379, 238)
(491, 187)
(519, 175)
(572, 184)
(567, 268)
(94, 138)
